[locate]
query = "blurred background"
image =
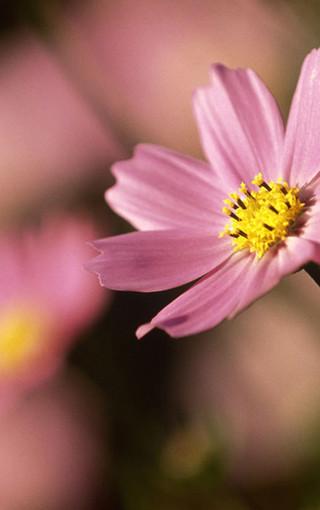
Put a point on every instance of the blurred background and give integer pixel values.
(91, 418)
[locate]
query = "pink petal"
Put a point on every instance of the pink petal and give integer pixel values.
(310, 194)
(311, 229)
(277, 263)
(158, 260)
(205, 304)
(160, 189)
(240, 126)
(302, 148)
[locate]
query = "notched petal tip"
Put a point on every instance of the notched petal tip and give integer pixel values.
(94, 244)
(313, 53)
(139, 150)
(240, 124)
(89, 266)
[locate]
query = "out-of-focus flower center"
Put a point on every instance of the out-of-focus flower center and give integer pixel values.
(260, 219)
(22, 335)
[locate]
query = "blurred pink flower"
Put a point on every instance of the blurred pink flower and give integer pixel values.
(254, 385)
(46, 299)
(142, 59)
(51, 140)
(52, 451)
(177, 201)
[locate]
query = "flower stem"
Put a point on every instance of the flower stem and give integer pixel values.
(313, 270)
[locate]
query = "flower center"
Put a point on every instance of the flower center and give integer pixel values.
(22, 334)
(260, 219)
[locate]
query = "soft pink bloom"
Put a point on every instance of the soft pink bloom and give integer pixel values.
(139, 57)
(52, 451)
(46, 299)
(51, 140)
(258, 381)
(177, 201)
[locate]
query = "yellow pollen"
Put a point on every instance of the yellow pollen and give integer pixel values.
(263, 218)
(22, 338)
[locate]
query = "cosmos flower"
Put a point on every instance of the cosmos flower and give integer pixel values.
(46, 299)
(51, 141)
(226, 379)
(138, 57)
(52, 447)
(237, 224)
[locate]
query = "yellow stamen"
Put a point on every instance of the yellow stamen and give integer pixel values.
(263, 218)
(22, 337)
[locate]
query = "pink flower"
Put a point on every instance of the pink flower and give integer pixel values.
(50, 140)
(260, 386)
(52, 447)
(137, 57)
(46, 299)
(268, 178)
